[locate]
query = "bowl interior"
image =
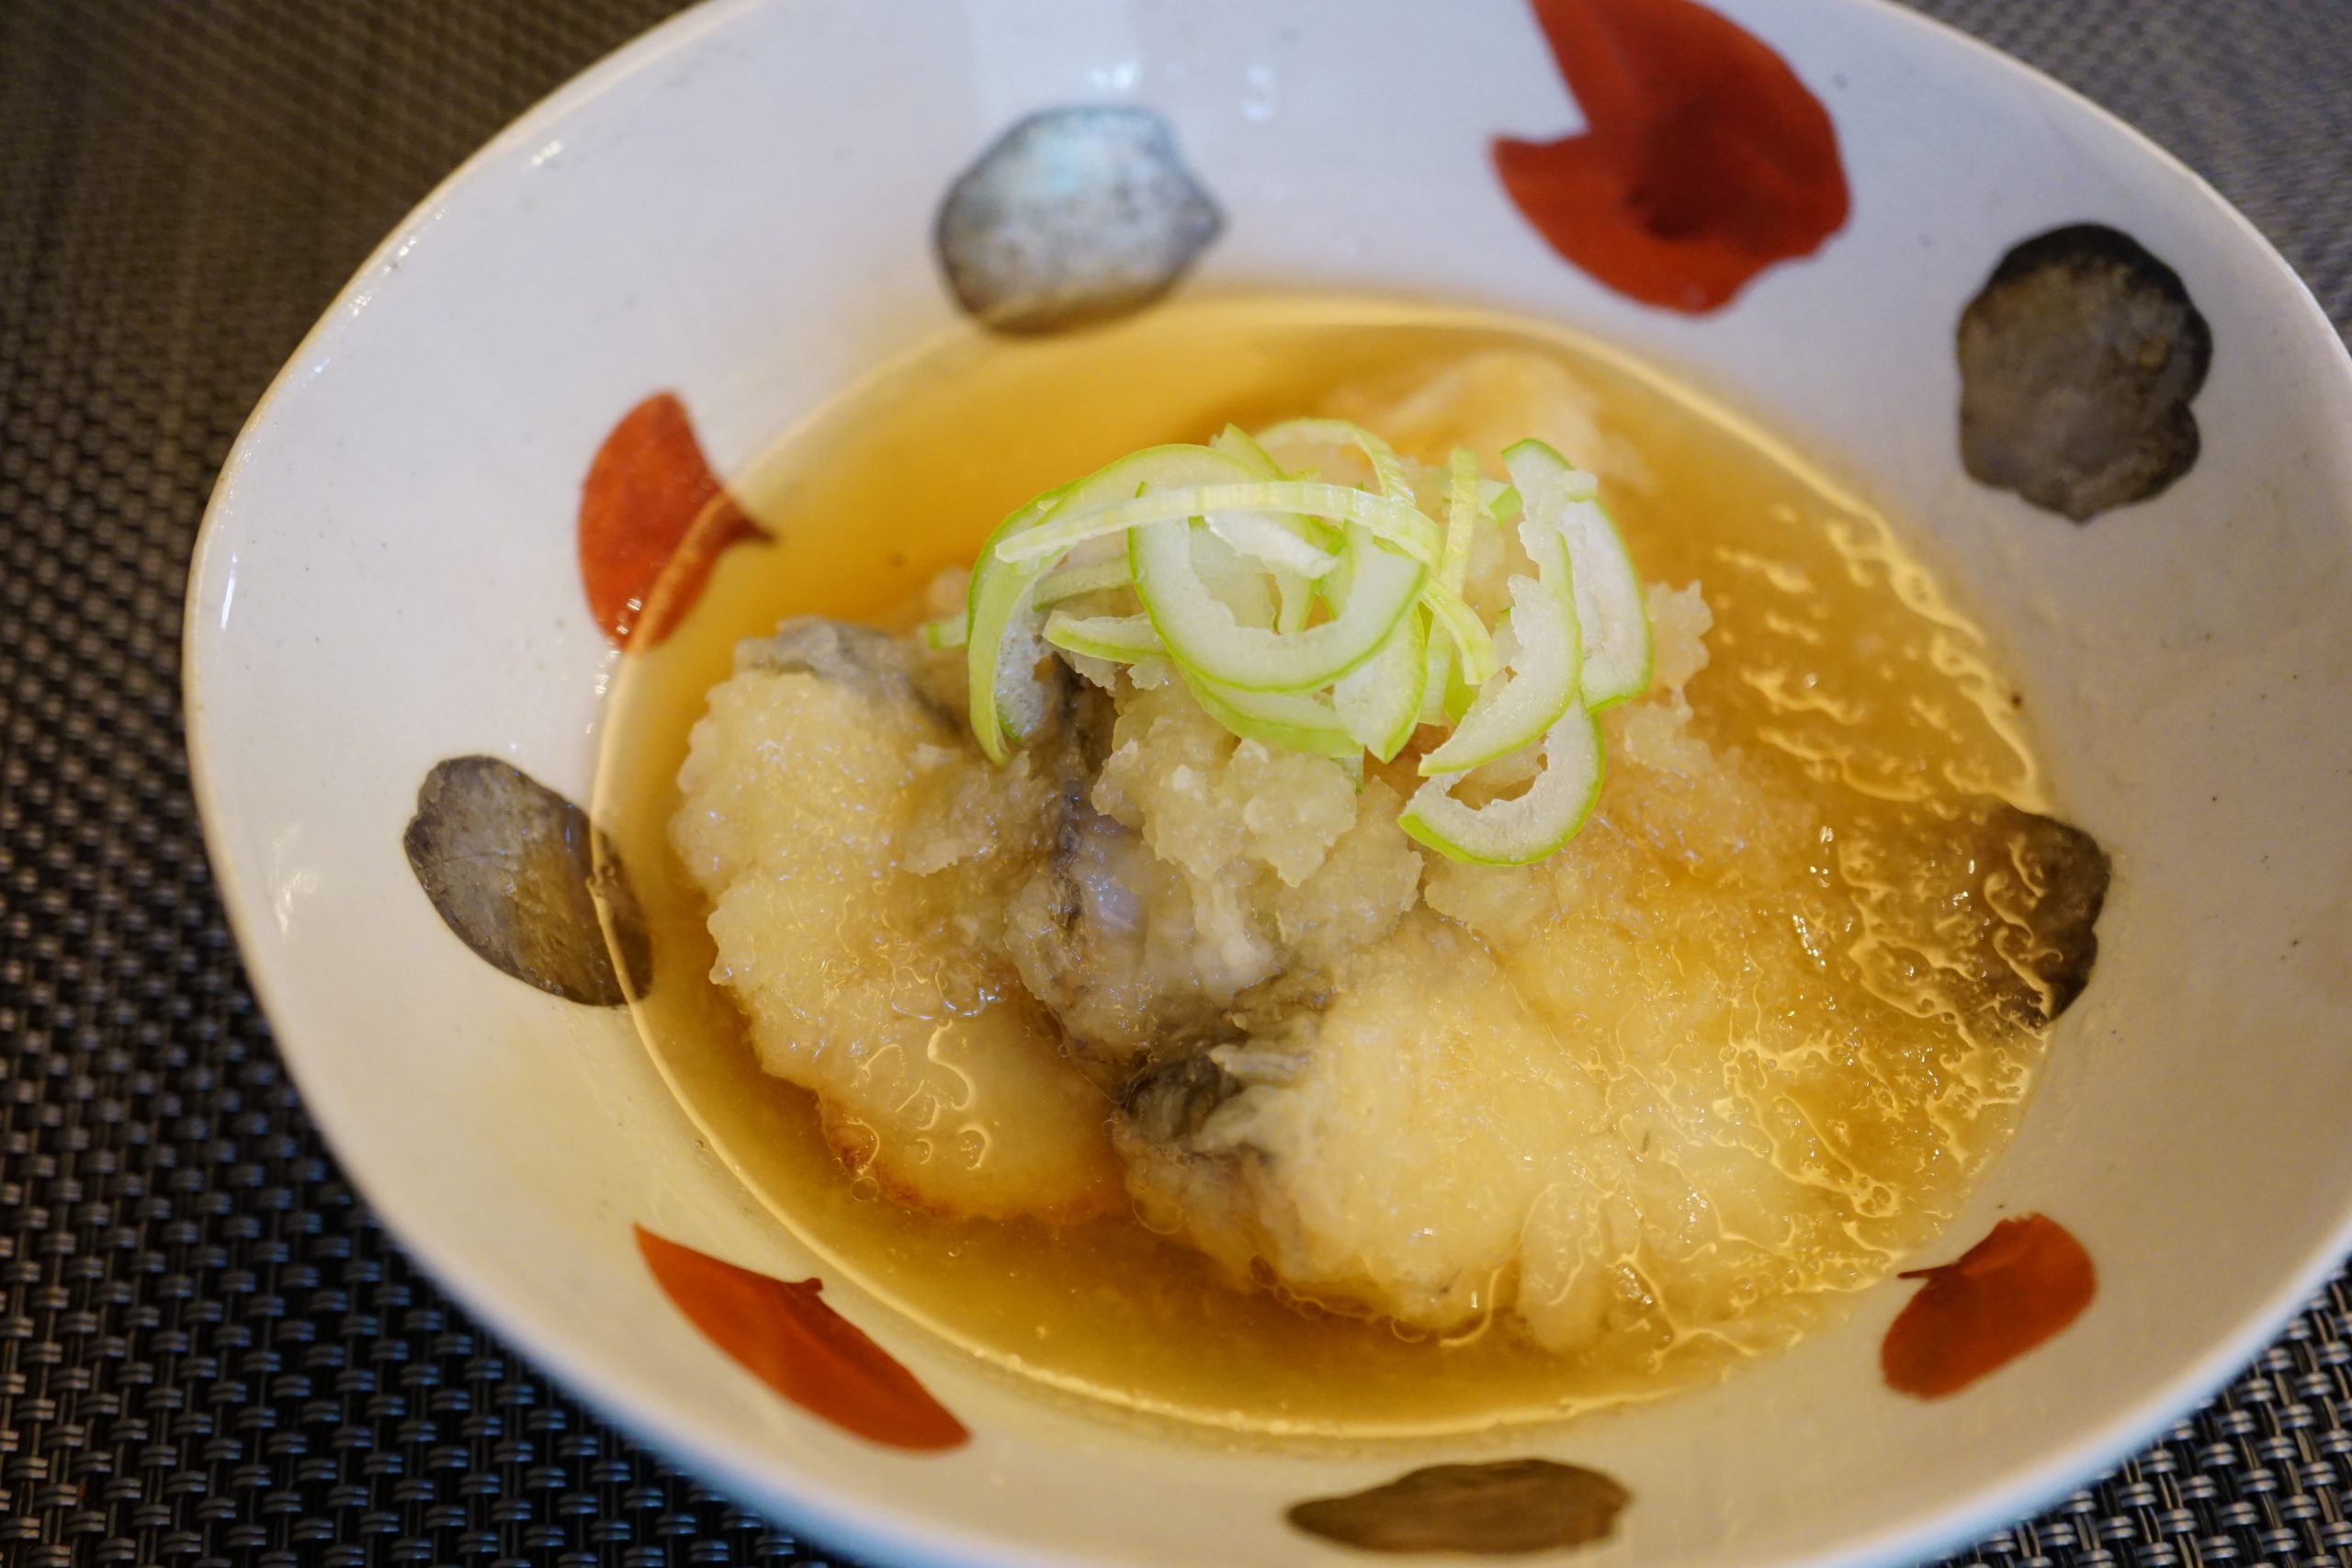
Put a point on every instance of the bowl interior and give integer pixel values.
(732, 210)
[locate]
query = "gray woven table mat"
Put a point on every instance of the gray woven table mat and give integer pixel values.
(209, 1352)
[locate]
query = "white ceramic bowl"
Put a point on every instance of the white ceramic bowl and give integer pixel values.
(740, 207)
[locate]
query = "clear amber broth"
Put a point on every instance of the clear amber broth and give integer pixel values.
(1834, 653)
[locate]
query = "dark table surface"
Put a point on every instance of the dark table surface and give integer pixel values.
(209, 1351)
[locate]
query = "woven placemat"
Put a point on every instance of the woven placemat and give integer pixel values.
(209, 1352)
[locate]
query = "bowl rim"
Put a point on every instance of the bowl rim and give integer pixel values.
(641, 1407)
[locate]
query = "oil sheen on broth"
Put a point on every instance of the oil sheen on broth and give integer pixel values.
(1837, 671)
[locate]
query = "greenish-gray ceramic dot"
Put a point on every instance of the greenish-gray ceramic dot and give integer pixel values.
(510, 868)
(2048, 880)
(2002, 907)
(1503, 1507)
(1073, 215)
(2078, 361)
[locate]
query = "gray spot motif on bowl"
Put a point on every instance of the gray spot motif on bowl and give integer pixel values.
(1503, 1507)
(2078, 362)
(509, 866)
(2000, 910)
(1073, 215)
(2048, 880)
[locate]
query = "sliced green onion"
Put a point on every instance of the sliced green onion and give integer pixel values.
(1289, 719)
(1243, 448)
(1397, 523)
(1608, 590)
(1437, 664)
(1511, 713)
(1294, 601)
(1608, 597)
(1232, 560)
(1459, 693)
(1473, 650)
(1278, 541)
(1173, 467)
(1461, 518)
(1125, 639)
(1204, 636)
(1379, 701)
(1070, 581)
(1003, 649)
(1523, 828)
(1387, 472)
(1240, 582)
(1298, 545)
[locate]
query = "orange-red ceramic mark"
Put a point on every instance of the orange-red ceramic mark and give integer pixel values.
(653, 518)
(2006, 1294)
(791, 1340)
(1704, 159)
